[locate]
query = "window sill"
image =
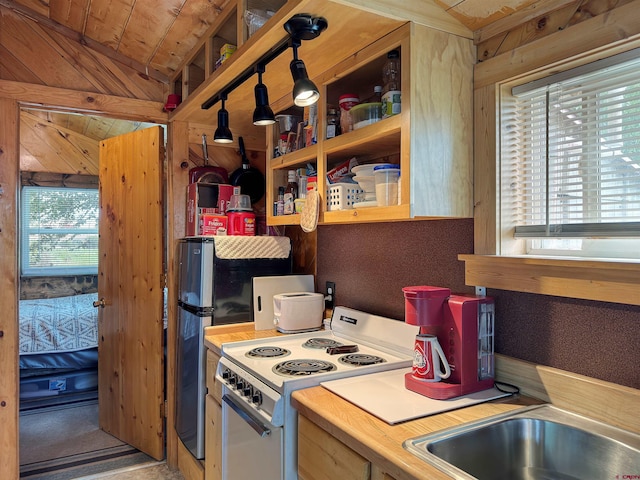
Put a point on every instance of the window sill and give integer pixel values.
(606, 281)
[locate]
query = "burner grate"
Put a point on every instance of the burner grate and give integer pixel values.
(303, 367)
(267, 352)
(321, 343)
(360, 359)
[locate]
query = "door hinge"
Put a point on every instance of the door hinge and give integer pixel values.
(164, 407)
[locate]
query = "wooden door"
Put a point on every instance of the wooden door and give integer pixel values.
(130, 284)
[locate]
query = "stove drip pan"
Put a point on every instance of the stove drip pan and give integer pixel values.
(360, 359)
(302, 367)
(268, 352)
(321, 343)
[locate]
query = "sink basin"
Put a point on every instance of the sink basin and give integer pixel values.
(532, 443)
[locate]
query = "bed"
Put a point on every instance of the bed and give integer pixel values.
(58, 344)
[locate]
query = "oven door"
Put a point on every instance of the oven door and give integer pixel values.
(252, 447)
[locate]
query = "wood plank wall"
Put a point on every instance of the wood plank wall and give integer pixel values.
(61, 62)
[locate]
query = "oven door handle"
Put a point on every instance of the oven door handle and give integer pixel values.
(247, 416)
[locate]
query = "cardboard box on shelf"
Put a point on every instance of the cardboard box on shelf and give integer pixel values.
(205, 199)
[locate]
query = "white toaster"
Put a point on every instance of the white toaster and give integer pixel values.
(296, 312)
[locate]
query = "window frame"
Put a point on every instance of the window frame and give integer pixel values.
(24, 232)
(501, 265)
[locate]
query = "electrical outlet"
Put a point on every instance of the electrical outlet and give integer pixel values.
(330, 296)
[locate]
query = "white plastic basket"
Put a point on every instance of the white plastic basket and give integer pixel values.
(342, 196)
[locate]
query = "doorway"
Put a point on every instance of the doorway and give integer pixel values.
(61, 429)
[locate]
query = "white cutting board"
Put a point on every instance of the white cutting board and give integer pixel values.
(264, 288)
(384, 395)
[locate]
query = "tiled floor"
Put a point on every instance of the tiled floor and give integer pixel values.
(156, 471)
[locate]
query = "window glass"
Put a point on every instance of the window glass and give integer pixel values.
(570, 161)
(59, 231)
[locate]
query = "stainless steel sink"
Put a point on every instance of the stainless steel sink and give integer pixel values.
(532, 443)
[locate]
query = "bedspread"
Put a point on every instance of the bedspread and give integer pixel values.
(63, 324)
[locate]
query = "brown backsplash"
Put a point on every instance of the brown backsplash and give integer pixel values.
(370, 264)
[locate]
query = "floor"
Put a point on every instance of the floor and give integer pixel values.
(156, 471)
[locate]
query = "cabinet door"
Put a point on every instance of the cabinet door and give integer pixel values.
(322, 457)
(213, 440)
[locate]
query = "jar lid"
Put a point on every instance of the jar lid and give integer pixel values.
(349, 97)
(387, 166)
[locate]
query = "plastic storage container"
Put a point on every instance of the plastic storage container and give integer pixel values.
(342, 196)
(366, 114)
(387, 178)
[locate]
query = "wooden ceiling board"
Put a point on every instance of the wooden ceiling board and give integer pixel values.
(476, 14)
(107, 20)
(35, 49)
(194, 21)
(70, 13)
(147, 28)
(57, 149)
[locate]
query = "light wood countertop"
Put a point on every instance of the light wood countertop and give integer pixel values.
(381, 443)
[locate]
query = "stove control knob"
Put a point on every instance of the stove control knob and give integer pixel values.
(240, 384)
(225, 373)
(232, 379)
(248, 390)
(257, 397)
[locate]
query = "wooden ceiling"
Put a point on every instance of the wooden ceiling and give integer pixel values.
(160, 34)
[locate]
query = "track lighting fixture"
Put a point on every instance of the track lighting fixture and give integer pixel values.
(222, 133)
(304, 90)
(299, 27)
(262, 115)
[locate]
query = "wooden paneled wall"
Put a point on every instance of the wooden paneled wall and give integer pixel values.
(32, 54)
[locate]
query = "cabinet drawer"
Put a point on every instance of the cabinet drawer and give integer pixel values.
(213, 387)
(321, 456)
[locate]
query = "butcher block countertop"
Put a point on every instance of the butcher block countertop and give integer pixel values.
(381, 443)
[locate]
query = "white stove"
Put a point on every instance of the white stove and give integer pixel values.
(258, 377)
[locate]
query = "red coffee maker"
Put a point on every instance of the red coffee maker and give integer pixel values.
(464, 327)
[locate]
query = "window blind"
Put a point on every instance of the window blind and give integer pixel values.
(59, 229)
(571, 153)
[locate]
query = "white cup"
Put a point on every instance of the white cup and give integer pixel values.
(429, 360)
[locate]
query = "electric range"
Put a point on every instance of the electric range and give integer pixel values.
(259, 424)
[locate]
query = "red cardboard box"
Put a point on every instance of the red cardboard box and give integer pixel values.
(212, 224)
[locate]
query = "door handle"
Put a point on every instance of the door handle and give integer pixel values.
(99, 303)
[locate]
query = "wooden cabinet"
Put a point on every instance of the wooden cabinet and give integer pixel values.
(213, 421)
(213, 439)
(431, 138)
(323, 457)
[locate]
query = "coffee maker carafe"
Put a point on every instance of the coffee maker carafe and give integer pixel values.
(463, 326)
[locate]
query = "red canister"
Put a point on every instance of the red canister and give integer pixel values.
(241, 223)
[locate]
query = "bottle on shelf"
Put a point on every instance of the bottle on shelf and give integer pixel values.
(333, 123)
(347, 101)
(280, 202)
(391, 95)
(377, 95)
(290, 193)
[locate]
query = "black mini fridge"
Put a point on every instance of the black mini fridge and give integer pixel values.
(214, 288)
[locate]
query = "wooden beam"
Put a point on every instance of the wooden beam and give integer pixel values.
(615, 31)
(83, 40)
(424, 12)
(84, 102)
(9, 377)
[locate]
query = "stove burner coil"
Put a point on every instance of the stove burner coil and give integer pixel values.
(321, 343)
(360, 359)
(267, 352)
(302, 367)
